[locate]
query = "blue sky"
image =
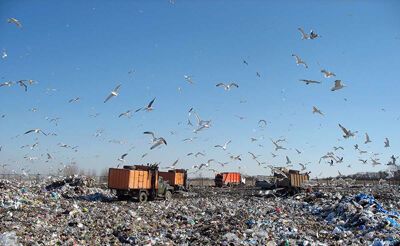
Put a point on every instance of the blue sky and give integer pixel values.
(85, 48)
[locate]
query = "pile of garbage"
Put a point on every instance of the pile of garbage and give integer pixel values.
(56, 212)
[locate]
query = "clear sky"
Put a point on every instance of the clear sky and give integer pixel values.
(85, 48)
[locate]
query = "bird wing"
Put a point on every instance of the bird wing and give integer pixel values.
(29, 131)
(151, 103)
(304, 35)
(220, 84)
(150, 133)
(346, 132)
(234, 84)
(108, 98)
(116, 89)
(124, 155)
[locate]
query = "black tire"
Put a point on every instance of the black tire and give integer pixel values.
(168, 195)
(143, 197)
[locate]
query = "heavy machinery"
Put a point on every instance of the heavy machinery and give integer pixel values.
(139, 182)
(177, 178)
(284, 181)
(228, 179)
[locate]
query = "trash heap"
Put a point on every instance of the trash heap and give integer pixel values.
(69, 211)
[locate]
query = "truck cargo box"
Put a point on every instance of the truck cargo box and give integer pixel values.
(175, 177)
(229, 178)
(138, 178)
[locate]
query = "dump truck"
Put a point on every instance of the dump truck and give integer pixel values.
(227, 179)
(177, 178)
(139, 182)
(290, 180)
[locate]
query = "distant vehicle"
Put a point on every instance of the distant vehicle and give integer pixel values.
(177, 178)
(228, 179)
(284, 180)
(139, 182)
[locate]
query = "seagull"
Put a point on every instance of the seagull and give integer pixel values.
(277, 171)
(8, 84)
(227, 87)
(303, 166)
(199, 153)
(37, 130)
(303, 34)
(387, 143)
(288, 161)
(223, 146)
(314, 35)
(74, 100)
(258, 74)
(173, 164)
(122, 158)
(309, 81)
(114, 93)
(236, 157)
(188, 78)
(240, 117)
(367, 140)
(262, 123)
(273, 155)
(127, 113)
(316, 110)
(149, 107)
(356, 147)
(347, 133)
(337, 148)
(375, 162)
(253, 155)
(159, 142)
(277, 147)
(253, 139)
(152, 134)
(363, 161)
(14, 21)
(22, 84)
(298, 151)
(338, 85)
(327, 74)
(4, 54)
(245, 62)
(299, 61)
(189, 139)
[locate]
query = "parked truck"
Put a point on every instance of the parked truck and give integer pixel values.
(177, 178)
(139, 182)
(227, 179)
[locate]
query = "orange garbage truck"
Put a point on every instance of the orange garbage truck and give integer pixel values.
(139, 182)
(177, 178)
(227, 179)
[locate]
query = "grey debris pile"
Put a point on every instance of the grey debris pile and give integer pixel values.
(35, 214)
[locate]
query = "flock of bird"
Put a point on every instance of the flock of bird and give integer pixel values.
(198, 124)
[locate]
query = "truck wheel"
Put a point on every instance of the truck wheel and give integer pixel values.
(168, 195)
(143, 197)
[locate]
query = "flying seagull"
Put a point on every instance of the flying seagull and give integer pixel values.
(114, 93)
(149, 107)
(22, 84)
(122, 158)
(347, 133)
(188, 78)
(314, 35)
(367, 140)
(299, 61)
(74, 100)
(4, 54)
(338, 85)
(327, 74)
(262, 123)
(316, 110)
(227, 87)
(387, 143)
(303, 34)
(7, 83)
(14, 21)
(223, 146)
(158, 143)
(309, 81)
(37, 130)
(288, 161)
(277, 147)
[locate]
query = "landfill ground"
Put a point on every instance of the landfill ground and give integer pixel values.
(71, 213)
